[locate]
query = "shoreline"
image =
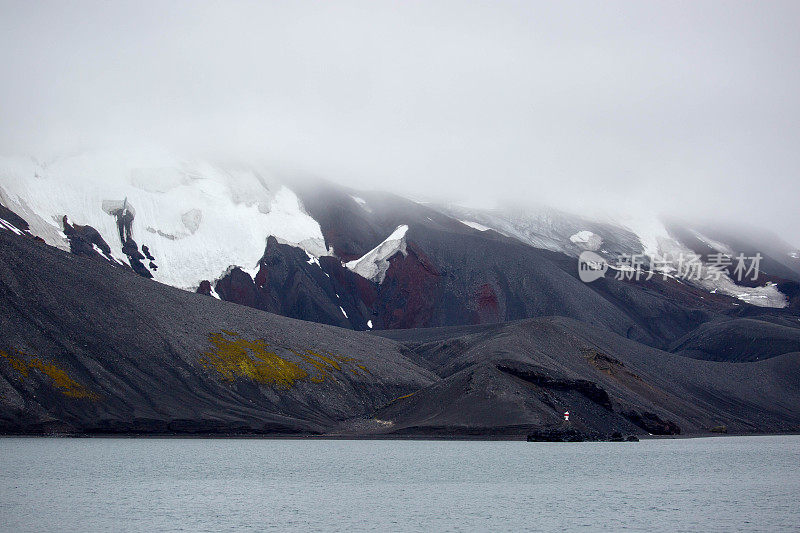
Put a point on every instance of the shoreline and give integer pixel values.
(459, 438)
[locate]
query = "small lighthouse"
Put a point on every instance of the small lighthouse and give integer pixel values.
(566, 416)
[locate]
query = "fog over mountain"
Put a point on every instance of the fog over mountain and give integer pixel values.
(688, 109)
(558, 222)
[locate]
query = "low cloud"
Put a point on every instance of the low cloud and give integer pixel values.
(689, 109)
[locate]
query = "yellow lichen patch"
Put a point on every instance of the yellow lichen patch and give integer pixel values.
(322, 369)
(61, 380)
(323, 365)
(332, 362)
(319, 365)
(404, 396)
(238, 357)
(17, 364)
(342, 358)
(400, 398)
(328, 360)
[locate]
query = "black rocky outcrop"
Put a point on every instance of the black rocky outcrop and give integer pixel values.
(84, 239)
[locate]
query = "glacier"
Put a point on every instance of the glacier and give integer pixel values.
(196, 218)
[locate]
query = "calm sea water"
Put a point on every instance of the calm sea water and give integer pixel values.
(719, 484)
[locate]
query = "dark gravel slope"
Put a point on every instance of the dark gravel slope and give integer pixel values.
(86, 347)
(519, 376)
(90, 347)
(738, 340)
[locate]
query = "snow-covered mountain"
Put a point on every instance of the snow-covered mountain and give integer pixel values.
(366, 259)
(662, 247)
(195, 218)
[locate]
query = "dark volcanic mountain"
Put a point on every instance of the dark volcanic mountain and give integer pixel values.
(362, 313)
(526, 374)
(87, 346)
(366, 260)
(444, 273)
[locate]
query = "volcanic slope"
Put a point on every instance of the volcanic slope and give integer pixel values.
(86, 346)
(508, 379)
(90, 347)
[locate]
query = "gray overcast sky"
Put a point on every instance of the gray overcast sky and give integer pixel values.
(691, 107)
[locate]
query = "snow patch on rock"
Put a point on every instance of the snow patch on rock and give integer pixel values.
(214, 293)
(475, 225)
(4, 224)
(587, 240)
(716, 245)
(651, 232)
(362, 203)
(374, 264)
(312, 259)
